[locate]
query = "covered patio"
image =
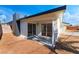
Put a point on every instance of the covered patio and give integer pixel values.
(44, 27)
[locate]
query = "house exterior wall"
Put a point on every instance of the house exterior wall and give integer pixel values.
(59, 22)
(24, 29)
(47, 18)
(57, 28)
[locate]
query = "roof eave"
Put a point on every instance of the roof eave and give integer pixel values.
(46, 12)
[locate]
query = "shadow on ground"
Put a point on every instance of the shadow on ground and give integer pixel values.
(67, 47)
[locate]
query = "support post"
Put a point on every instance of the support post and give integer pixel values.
(38, 29)
(53, 41)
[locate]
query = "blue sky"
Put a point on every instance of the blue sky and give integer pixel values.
(6, 11)
(71, 14)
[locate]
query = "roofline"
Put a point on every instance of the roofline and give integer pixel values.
(46, 12)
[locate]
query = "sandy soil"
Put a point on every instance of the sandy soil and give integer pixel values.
(11, 44)
(69, 44)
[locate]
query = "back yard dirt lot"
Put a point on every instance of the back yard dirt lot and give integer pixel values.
(11, 44)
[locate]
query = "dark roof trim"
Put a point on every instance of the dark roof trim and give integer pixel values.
(46, 12)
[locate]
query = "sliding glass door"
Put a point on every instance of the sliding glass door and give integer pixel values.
(31, 29)
(47, 29)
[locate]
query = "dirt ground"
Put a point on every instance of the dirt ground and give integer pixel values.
(10, 44)
(68, 44)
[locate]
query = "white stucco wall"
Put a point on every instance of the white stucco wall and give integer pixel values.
(56, 28)
(24, 29)
(59, 23)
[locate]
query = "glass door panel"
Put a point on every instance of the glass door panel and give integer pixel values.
(49, 29)
(44, 29)
(29, 29)
(34, 29)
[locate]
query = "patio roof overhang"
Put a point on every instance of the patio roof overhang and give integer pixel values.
(46, 16)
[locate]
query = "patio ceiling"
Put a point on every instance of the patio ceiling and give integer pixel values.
(45, 18)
